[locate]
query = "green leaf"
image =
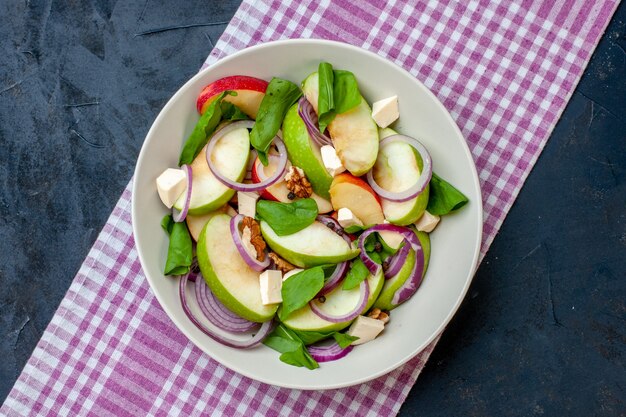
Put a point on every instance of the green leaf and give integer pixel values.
(357, 274)
(287, 218)
(232, 112)
(325, 99)
(308, 338)
(203, 129)
(344, 340)
(292, 349)
(279, 97)
(443, 197)
(338, 93)
(346, 91)
(355, 228)
(299, 289)
(180, 250)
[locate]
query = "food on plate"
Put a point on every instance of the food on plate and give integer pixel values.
(310, 215)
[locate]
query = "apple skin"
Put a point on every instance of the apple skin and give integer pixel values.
(245, 281)
(355, 194)
(392, 284)
(406, 212)
(250, 93)
(317, 236)
(304, 153)
(305, 319)
(354, 133)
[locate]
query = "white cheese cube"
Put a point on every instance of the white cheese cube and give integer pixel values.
(231, 211)
(271, 284)
(346, 218)
(331, 161)
(247, 203)
(170, 185)
(385, 112)
(427, 222)
(366, 329)
(292, 273)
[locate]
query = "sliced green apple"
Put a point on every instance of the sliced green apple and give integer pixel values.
(304, 153)
(354, 133)
(394, 283)
(314, 245)
(196, 224)
(230, 156)
(397, 168)
(232, 281)
(338, 301)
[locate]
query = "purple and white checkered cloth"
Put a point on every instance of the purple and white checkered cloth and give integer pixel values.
(505, 71)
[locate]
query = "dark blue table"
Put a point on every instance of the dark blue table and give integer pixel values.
(543, 329)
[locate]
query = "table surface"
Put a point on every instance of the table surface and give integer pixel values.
(542, 330)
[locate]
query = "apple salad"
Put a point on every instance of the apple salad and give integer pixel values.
(301, 217)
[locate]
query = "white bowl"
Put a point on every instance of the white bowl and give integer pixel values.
(455, 243)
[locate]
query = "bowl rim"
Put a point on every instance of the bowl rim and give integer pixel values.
(475, 182)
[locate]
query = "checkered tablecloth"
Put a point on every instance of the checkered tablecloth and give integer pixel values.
(505, 71)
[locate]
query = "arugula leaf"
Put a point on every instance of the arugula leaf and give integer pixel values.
(292, 349)
(232, 112)
(443, 197)
(180, 250)
(299, 289)
(325, 99)
(203, 129)
(279, 97)
(338, 93)
(287, 218)
(357, 273)
(310, 337)
(344, 340)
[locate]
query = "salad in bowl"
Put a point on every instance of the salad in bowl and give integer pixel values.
(300, 217)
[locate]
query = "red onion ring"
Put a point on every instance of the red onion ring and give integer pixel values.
(364, 293)
(264, 330)
(179, 216)
(326, 220)
(421, 183)
(335, 279)
(309, 117)
(238, 186)
(217, 313)
(397, 260)
(248, 258)
(415, 278)
(328, 353)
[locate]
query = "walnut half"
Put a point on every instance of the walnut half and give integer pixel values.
(281, 264)
(297, 182)
(252, 231)
(378, 314)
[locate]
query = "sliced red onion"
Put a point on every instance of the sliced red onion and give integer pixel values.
(249, 258)
(397, 260)
(238, 186)
(421, 183)
(335, 279)
(364, 293)
(309, 117)
(415, 278)
(217, 313)
(264, 330)
(328, 353)
(333, 224)
(179, 216)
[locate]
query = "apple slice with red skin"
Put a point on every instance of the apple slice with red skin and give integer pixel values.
(250, 92)
(279, 191)
(348, 191)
